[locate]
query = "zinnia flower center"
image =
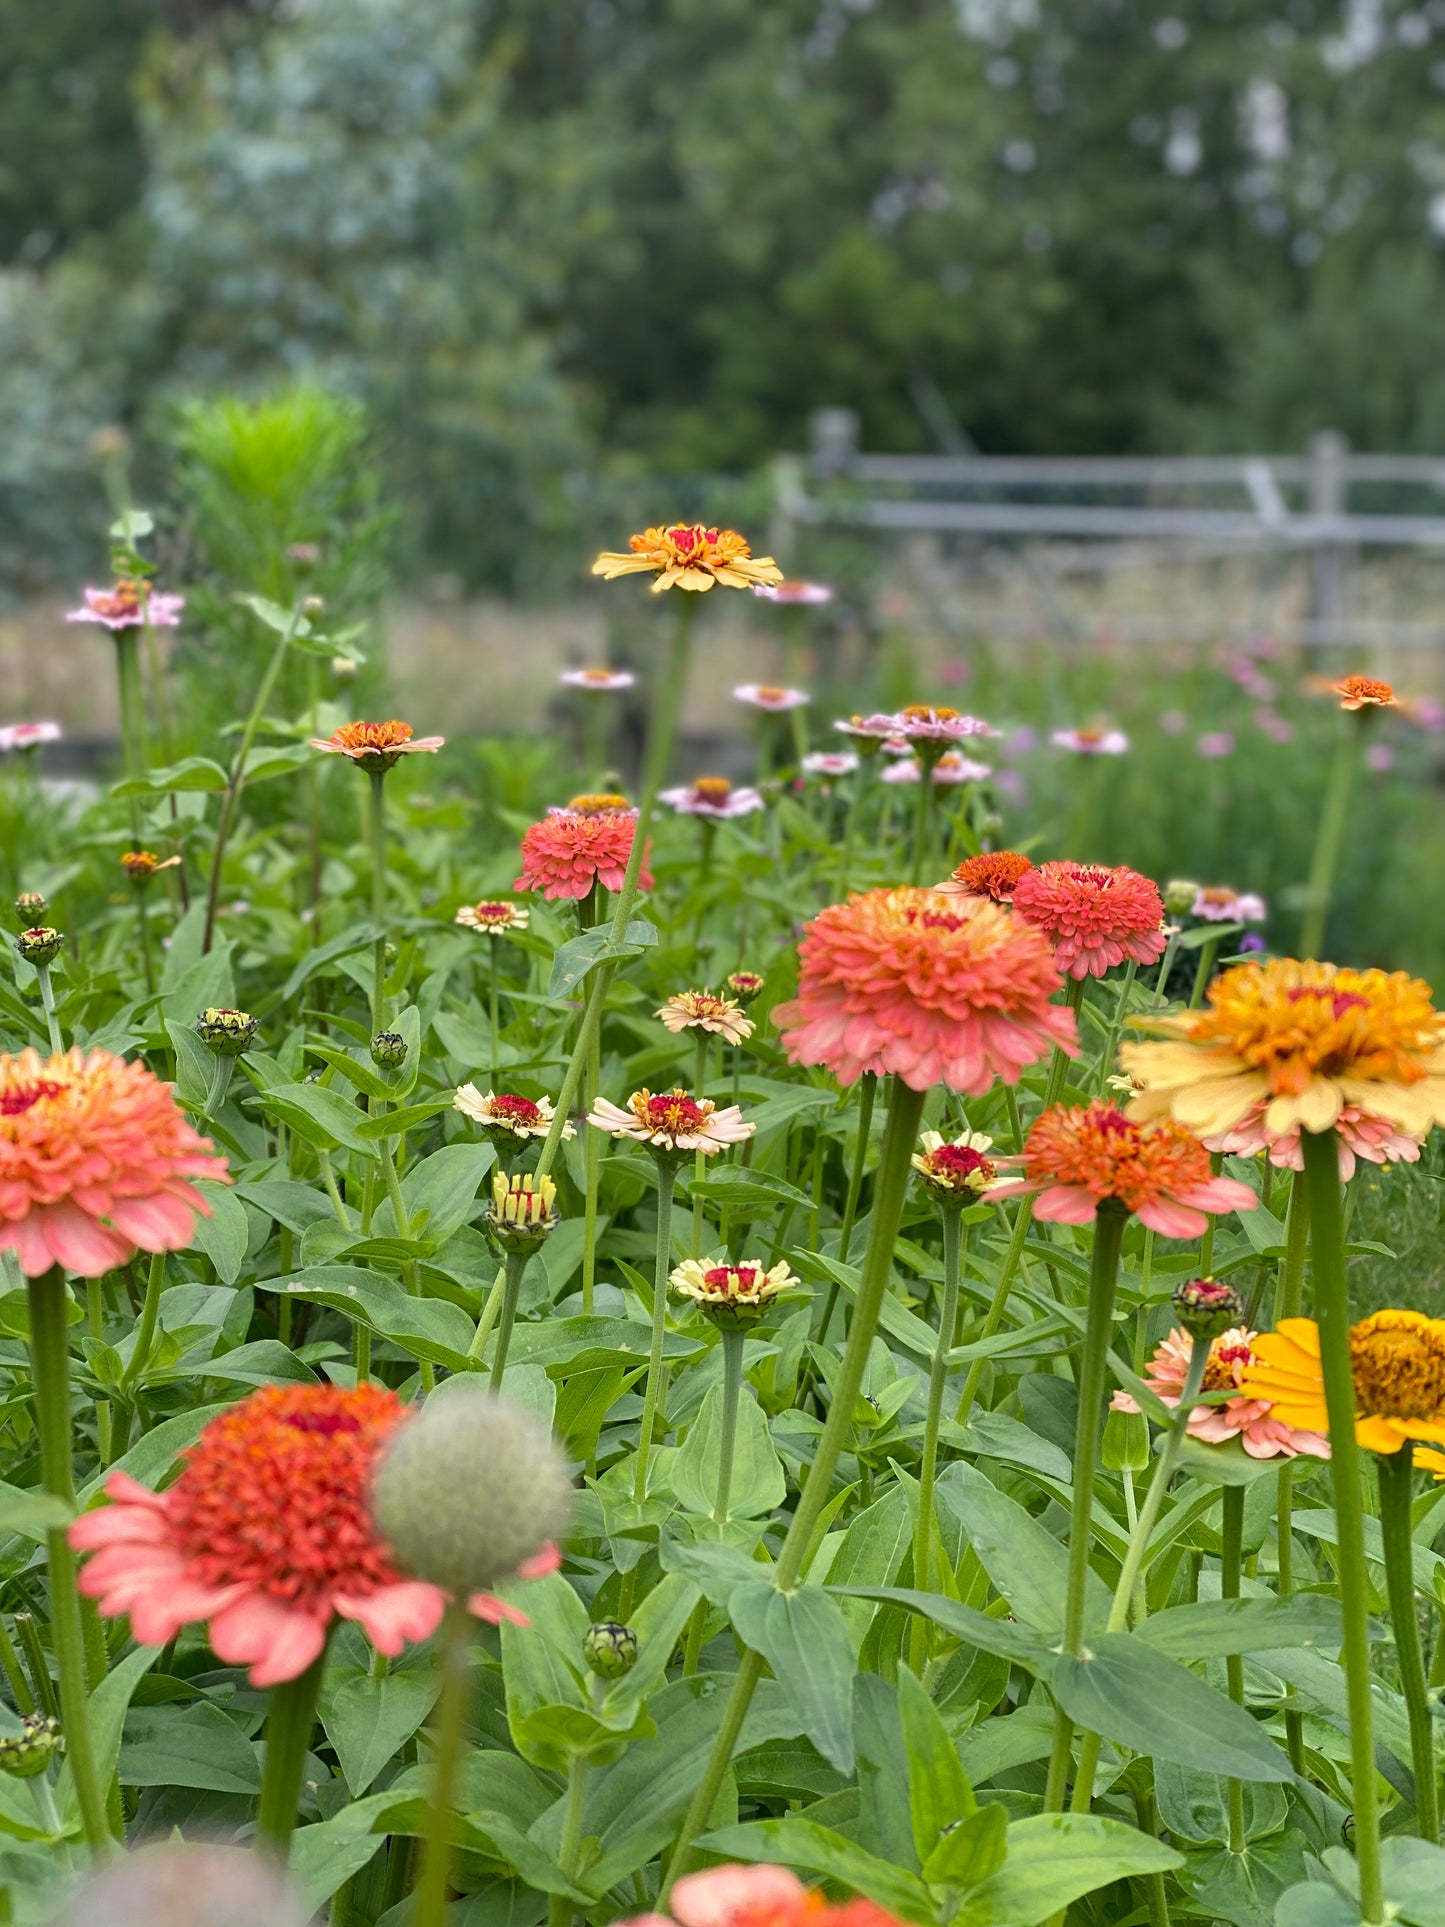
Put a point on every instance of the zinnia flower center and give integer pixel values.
(124, 599)
(23, 1097)
(712, 789)
(926, 713)
(516, 1110)
(274, 1494)
(598, 803)
(1226, 1361)
(492, 912)
(597, 675)
(1398, 1361)
(770, 693)
(1366, 689)
(961, 1161)
(1293, 1020)
(731, 1278)
(993, 874)
(373, 736)
(674, 1111)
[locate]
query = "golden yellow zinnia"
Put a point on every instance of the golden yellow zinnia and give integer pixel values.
(1397, 1359)
(1302, 1039)
(691, 556)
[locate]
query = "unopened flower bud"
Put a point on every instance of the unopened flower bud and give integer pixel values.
(40, 945)
(990, 823)
(109, 442)
(30, 1751)
(30, 906)
(303, 557)
(522, 1211)
(745, 987)
(1205, 1308)
(1179, 895)
(313, 605)
(229, 1033)
(344, 668)
(609, 1648)
(470, 1490)
(388, 1050)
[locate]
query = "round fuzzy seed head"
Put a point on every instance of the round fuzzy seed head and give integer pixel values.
(469, 1491)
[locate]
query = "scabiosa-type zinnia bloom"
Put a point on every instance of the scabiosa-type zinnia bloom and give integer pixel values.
(96, 1160)
(566, 854)
(1228, 906)
(732, 1295)
(959, 1169)
(604, 681)
(1364, 692)
(1092, 742)
(690, 556)
(1397, 1360)
(1358, 1134)
(926, 987)
(375, 746)
(493, 917)
(700, 1010)
(128, 605)
(994, 874)
(1095, 917)
(506, 1118)
(829, 762)
(772, 697)
(266, 1534)
(1250, 1420)
(1075, 1158)
(672, 1122)
(712, 796)
(29, 735)
(761, 1896)
(1303, 1039)
(794, 595)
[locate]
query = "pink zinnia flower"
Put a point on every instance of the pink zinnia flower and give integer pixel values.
(1094, 916)
(712, 796)
(95, 1163)
(770, 696)
(1077, 1157)
(951, 767)
(29, 735)
(760, 1896)
(129, 605)
(830, 762)
(923, 723)
(794, 594)
(1228, 906)
(565, 854)
(1092, 742)
(1214, 744)
(870, 732)
(1358, 1134)
(1270, 723)
(602, 680)
(927, 987)
(375, 746)
(1247, 1419)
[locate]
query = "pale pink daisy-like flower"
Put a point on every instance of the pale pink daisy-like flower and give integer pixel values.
(870, 732)
(1096, 917)
(604, 681)
(1228, 906)
(830, 762)
(1092, 742)
(794, 595)
(1214, 744)
(506, 1118)
(772, 697)
(712, 796)
(670, 1121)
(951, 767)
(921, 723)
(700, 1010)
(129, 605)
(29, 735)
(1245, 1419)
(1359, 1133)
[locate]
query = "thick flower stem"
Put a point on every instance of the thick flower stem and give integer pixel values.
(559, 1912)
(1397, 1478)
(1125, 989)
(993, 1317)
(666, 1178)
(516, 1264)
(49, 1301)
(1103, 1277)
(378, 899)
(132, 717)
(1332, 1307)
(494, 1002)
(1329, 838)
(699, 1169)
(905, 1111)
(1288, 1304)
(592, 1168)
(928, 1469)
(1231, 1567)
(288, 1736)
(867, 1094)
(922, 822)
(1059, 1061)
(47, 1004)
(732, 1358)
(432, 1889)
(850, 826)
(1204, 970)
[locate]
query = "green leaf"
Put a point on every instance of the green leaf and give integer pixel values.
(156, 1451)
(970, 1851)
(749, 1187)
(758, 1483)
(870, 1554)
(804, 1638)
(367, 1719)
(939, 1794)
(32, 1514)
(322, 1117)
(108, 1704)
(324, 1857)
(193, 1746)
(193, 1062)
(1026, 1563)
(1053, 1858)
(344, 944)
(1214, 1627)
(571, 961)
(445, 1186)
(885, 1821)
(224, 1235)
(432, 1329)
(801, 1843)
(1001, 1636)
(191, 773)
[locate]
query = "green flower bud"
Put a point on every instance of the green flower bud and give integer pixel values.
(470, 1490)
(1126, 1442)
(388, 1050)
(30, 1751)
(1179, 895)
(229, 1033)
(1205, 1308)
(610, 1648)
(344, 669)
(40, 945)
(523, 1211)
(30, 907)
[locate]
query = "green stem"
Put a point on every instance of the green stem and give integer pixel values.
(132, 718)
(378, 900)
(592, 1169)
(1059, 1062)
(1289, 1301)
(666, 1179)
(1103, 1277)
(15, 1673)
(288, 1737)
(1116, 1025)
(47, 1004)
(435, 1882)
(1329, 839)
(559, 1911)
(49, 1304)
(516, 1264)
(927, 1471)
(993, 1318)
(732, 1356)
(905, 1111)
(489, 1316)
(143, 920)
(867, 1096)
(1208, 951)
(922, 820)
(1397, 1477)
(1327, 1246)
(699, 1167)
(1231, 1565)
(494, 1003)
(850, 827)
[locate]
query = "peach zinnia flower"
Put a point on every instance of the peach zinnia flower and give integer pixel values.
(564, 855)
(1094, 916)
(375, 746)
(1397, 1361)
(1358, 1134)
(934, 990)
(95, 1163)
(994, 874)
(689, 556)
(761, 1896)
(1250, 1420)
(128, 605)
(1306, 1040)
(700, 1010)
(1364, 692)
(1076, 1158)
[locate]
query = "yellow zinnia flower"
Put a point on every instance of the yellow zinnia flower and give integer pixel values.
(690, 556)
(1302, 1039)
(1398, 1362)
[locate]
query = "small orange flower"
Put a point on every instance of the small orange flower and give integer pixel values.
(1364, 692)
(993, 874)
(690, 556)
(141, 865)
(375, 746)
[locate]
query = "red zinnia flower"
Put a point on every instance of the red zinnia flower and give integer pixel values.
(1095, 917)
(563, 856)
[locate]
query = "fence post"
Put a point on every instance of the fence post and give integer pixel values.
(1328, 496)
(832, 440)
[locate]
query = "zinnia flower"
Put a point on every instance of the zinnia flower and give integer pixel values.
(375, 746)
(761, 1896)
(1358, 1134)
(960, 1168)
(1214, 744)
(934, 990)
(1397, 1359)
(870, 733)
(1092, 742)
(95, 1163)
(672, 1121)
(602, 680)
(1228, 906)
(594, 803)
(700, 1010)
(950, 768)
(829, 762)
(794, 595)
(994, 874)
(921, 723)
(746, 986)
(771, 697)
(1250, 1420)
(1094, 916)
(712, 796)
(29, 735)
(742, 1291)
(1076, 1158)
(266, 1534)
(565, 855)
(1304, 1039)
(492, 916)
(128, 605)
(1364, 692)
(689, 556)
(141, 865)
(506, 1118)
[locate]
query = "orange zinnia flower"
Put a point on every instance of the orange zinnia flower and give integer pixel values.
(1096, 917)
(375, 746)
(564, 855)
(1364, 692)
(927, 987)
(690, 556)
(994, 874)
(1397, 1361)
(95, 1163)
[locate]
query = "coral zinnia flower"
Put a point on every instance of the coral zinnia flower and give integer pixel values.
(1364, 692)
(761, 1896)
(1250, 1420)
(700, 1010)
(564, 855)
(94, 1161)
(1095, 917)
(129, 604)
(506, 1118)
(1075, 1159)
(934, 990)
(492, 916)
(1359, 1134)
(995, 874)
(689, 556)
(1304, 1039)
(712, 796)
(1397, 1359)
(672, 1121)
(375, 746)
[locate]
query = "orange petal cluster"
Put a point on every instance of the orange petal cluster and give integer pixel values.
(564, 855)
(688, 555)
(993, 873)
(375, 746)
